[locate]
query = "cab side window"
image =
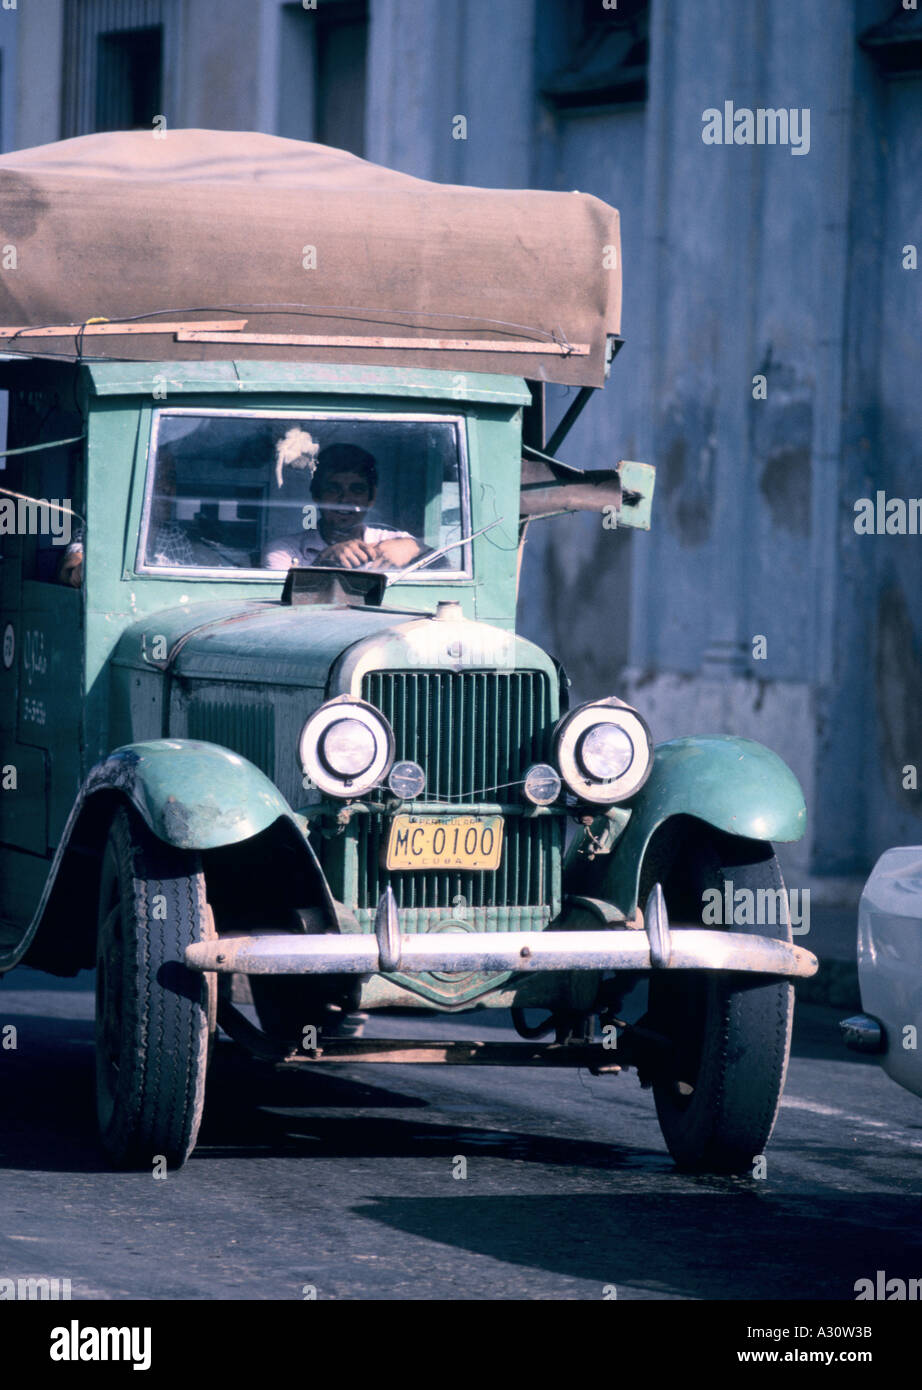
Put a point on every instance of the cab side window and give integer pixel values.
(41, 505)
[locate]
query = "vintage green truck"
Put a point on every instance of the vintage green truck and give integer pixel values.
(272, 749)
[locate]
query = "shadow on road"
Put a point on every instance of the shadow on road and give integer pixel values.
(47, 1089)
(743, 1244)
(49, 1107)
(250, 1106)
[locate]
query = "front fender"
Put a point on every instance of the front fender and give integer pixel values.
(734, 784)
(196, 796)
(193, 795)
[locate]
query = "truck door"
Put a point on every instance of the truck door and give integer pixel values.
(41, 641)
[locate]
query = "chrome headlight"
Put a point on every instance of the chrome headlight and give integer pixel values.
(346, 747)
(604, 751)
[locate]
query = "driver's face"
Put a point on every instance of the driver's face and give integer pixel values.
(344, 499)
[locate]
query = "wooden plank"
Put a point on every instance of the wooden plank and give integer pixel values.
(199, 335)
(70, 330)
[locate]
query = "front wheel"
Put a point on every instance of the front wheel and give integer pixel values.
(718, 1097)
(154, 1016)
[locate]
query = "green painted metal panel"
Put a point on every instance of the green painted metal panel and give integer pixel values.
(245, 726)
(23, 796)
(494, 447)
(22, 877)
(640, 479)
(734, 784)
(160, 380)
(50, 655)
(195, 795)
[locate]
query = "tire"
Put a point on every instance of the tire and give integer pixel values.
(718, 1100)
(154, 1017)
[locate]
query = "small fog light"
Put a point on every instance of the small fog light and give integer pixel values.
(542, 784)
(406, 780)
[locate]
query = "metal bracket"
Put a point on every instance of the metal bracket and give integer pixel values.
(387, 931)
(657, 923)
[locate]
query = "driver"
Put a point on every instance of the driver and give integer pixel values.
(344, 483)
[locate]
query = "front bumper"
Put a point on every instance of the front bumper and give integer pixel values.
(389, 950)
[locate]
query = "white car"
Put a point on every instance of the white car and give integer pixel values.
(890, 967)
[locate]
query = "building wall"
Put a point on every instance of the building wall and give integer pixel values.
(9, 32)
(788, 266)
(882, 451)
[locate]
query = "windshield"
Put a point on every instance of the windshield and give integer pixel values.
(260, 492)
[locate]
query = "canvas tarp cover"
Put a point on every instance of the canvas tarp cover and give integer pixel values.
(125, 224)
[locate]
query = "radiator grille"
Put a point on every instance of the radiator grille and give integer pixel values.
(474, 733)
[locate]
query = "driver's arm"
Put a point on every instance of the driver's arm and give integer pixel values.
(352, 554)
(394, 554)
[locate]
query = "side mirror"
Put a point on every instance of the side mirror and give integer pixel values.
(552, 488)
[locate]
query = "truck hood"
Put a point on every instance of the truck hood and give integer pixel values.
(316, 645)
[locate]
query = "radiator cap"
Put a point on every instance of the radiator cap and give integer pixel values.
(448, 610)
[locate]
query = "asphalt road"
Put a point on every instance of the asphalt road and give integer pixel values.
(342, 1182)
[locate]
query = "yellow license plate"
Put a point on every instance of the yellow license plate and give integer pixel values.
(461, 842)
